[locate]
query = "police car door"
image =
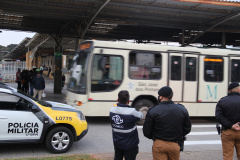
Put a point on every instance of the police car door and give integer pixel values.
(17, 123)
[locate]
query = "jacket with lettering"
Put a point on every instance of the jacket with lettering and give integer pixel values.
(228, 110)
(167, 121)
(124, 130)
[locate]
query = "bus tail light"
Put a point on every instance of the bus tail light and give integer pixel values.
(90, 99)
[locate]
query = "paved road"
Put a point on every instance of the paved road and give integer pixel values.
(202, 143)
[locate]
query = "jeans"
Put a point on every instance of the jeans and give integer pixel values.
(31, 89)
(130, 154)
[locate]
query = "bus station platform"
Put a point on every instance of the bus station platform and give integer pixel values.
(187, 154)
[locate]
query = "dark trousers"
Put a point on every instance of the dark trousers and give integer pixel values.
(130, 154)
(19, 85)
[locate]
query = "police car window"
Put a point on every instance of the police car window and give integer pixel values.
(44, 103)
(8, 101)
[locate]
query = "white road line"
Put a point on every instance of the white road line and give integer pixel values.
(202, 142)
(194, 126)
(203, 126)
(203, 133)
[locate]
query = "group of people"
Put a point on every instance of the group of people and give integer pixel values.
(168, 123)
(32, 78)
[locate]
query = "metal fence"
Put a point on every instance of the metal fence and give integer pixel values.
(8, 70)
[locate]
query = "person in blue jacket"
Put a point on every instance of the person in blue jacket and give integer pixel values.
(124, 130)
(39, 85)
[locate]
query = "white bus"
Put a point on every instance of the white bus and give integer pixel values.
(199, 77)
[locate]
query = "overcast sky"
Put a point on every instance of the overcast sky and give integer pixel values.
(13, 37)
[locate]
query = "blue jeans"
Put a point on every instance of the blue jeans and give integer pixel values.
(31, 89)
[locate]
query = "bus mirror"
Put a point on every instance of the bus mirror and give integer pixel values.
(102, 63)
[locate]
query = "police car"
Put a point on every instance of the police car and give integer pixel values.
(24, 119)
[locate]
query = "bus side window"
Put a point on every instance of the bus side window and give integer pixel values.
(213, 69)
(176, 67)
(107, 72)
(190, 69)
(235, 70)
(144, 65)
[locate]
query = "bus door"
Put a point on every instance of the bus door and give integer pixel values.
(176, 75)
(213, 78)
(190, 74)
(234, 70)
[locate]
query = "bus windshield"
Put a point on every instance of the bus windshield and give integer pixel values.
(78, 73)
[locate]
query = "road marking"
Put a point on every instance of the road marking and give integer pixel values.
(194, 126)
(202, 142)
(200, 126)
(203, 133)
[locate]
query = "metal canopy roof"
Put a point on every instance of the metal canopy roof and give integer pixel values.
(161, 20)
(19, 51)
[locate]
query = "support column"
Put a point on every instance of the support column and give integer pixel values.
(183, 38)
(58, 69)
(77, 43)
(223, 40)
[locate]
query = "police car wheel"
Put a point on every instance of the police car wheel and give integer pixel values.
(143, 105)
(59, 140)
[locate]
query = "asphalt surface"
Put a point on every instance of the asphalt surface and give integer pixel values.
(202, 143)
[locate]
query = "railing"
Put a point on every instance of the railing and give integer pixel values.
(8, 70)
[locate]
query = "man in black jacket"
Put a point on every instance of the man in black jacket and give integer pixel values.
(228, 114)
(166, 124)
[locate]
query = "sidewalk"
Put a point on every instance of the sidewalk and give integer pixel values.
(49, 90)
(193, 155)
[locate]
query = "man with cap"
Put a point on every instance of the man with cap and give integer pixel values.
(228, 114)
(166, 124)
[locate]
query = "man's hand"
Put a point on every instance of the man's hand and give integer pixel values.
(236, 126)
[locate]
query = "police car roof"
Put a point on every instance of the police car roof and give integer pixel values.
(6, 88)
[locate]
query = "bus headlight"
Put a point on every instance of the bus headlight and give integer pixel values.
(81, 116)
(78, 103)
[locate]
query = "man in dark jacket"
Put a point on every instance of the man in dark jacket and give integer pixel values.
(124, 130)
(166, 124)
(39, 85)
(18, 79)
(228, 114)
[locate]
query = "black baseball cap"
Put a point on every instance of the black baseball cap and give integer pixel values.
(233, 85)
(165, 91)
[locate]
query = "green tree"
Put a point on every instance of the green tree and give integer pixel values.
(11, 46)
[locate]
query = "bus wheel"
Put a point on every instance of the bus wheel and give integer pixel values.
(143, 105)
(59, 140)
